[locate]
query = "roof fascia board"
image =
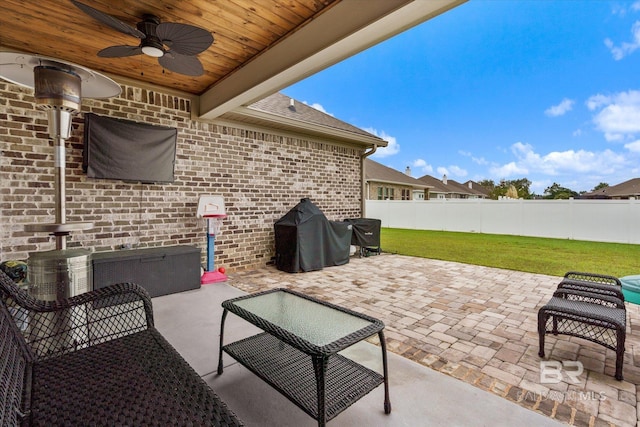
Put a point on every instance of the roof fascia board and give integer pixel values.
(353, 28)
(288, 133)
(305, 127)
(405, 184)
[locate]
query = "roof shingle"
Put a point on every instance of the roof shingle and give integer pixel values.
(375, 171)
(281, 105)
(630, 188)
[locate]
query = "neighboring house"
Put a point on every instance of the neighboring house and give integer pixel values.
(479, 190)
(385, 183)
(438, 189)
(450, 189)
(419, 193)
(624, 190)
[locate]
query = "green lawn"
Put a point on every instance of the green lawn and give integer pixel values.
(531, 254)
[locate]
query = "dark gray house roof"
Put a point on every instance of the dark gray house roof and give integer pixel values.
(377, 172)
(624, 190)
(281, 105)
(437, 185)
(459, 188)
(477, 188)
(282, 112)
(454, 187)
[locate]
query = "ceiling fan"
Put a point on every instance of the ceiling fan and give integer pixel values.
(175, 45)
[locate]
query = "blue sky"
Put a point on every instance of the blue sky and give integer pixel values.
(547, 90)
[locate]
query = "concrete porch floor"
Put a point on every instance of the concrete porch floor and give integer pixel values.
(462, 347)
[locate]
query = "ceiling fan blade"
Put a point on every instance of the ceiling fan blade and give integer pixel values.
(184, 39)
(182, 64)
(109, 20)
(120, 51)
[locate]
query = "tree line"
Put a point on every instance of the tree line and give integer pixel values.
(520, 189)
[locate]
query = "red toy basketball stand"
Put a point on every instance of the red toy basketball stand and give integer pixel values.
(212, 208)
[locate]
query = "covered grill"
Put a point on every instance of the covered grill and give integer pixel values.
(366, 235)
(306, 240)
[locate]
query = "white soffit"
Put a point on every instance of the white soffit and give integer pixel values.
(344, 30)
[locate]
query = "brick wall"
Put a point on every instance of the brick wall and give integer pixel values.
(261, 174)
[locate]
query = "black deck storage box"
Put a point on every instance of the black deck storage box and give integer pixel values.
(306, 240)
(366, 235)
(161, 271)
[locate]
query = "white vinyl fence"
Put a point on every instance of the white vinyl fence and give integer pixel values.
(592, 220)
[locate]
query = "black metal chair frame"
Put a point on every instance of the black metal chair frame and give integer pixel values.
(95, 359)
(589, 306)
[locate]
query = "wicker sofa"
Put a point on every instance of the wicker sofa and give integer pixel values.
(95, 360)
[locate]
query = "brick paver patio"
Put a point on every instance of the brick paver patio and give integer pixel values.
(477, 324)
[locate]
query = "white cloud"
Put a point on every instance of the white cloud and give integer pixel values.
(634, 146)
(422, 166)
(560, 109)
(620, 9)
(611, 137)
(452, 171)
(597, 101)
(577, 132)
(508, 170)
(558, 162)
(457, 171)
(626, 48)
(392, 145)
(618, 116)
(318, 107)
(538, 186)
(478, 160)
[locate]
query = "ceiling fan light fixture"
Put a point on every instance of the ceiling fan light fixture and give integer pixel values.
(174, 44)
(153, 51)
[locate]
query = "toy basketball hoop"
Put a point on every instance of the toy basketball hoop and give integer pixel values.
(212, 208)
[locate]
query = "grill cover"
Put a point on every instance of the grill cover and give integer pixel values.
(366, 231)
(306, 240)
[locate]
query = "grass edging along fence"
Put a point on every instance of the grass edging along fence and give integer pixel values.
(520, 253)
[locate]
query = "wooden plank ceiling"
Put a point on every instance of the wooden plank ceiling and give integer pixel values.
(260, 46)
(242, 30)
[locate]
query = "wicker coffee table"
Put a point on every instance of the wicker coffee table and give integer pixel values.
(297, 353)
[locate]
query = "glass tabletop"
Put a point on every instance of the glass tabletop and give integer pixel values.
(315, 322)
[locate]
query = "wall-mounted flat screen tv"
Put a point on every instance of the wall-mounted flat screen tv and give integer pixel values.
(128, 151)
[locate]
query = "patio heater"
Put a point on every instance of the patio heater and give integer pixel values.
(58, 88)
